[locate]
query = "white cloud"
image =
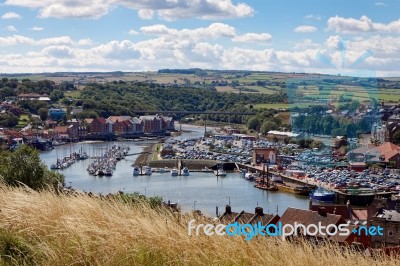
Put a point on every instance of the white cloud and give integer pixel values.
(166, 9)
(15, 39)
(313, 17)
(36, 28)
(58, 52)
(380, 4)
(253, 37)
(11, 28)
(214, 30)
(85, 42)
(11, 15)
(146, 13)
(364, 24)
(305, 29)
(133, 32)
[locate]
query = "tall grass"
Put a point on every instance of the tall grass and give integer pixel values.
(43, 228)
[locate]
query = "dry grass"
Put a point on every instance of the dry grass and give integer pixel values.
(46, 229)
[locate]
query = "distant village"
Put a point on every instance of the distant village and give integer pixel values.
(56, 132)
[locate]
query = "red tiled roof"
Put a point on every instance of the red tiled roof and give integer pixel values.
(61, 129)
(306, 217)
(102, 120)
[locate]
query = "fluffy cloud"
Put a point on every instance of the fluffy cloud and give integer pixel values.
(364, 24)
(253, 37)
(166, 9)
(313, 17)
(36, 28)
(11, 15)
(11, 28)
(305, 29)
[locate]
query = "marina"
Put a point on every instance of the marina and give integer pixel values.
(201, 190)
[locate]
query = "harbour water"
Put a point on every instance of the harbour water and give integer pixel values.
(202, 191)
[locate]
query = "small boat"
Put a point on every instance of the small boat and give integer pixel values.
(220, 172)
(174, 172)
(185, 171)
(148, 170)
(320, 194)
(136, 171)
(108, 172)
(249, 176)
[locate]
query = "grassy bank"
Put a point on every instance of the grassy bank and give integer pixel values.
(46, 229)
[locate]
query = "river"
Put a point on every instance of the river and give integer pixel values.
(203, 191)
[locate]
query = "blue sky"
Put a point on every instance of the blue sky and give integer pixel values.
(127, 35)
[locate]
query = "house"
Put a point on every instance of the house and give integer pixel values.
(261, 155)
(307, 217)
(151, 124)
(389, 220)
(168, 123)
(387, 154)
(61, 133)
(248, 218)
(322, 217)
(99, 126)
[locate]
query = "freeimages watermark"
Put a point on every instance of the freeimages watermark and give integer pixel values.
(249, 231)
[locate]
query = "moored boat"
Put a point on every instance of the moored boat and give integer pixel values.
(293, 188)
(220, 172)
(136, 171)
(321, 194)
(174, 172)
(185, 171)
(148, 170)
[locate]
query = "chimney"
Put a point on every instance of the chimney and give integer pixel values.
(322, 211)
(259, 211)
(228, 209)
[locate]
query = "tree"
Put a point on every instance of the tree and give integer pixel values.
(396, 138)
(43, 113)
(24, 166)
(267, 126)
(253, 123)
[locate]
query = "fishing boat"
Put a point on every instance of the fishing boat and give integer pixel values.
(108, 171)
(174, 172)
(321, 194)
(264, 182)
(185, 171)
(136, 171)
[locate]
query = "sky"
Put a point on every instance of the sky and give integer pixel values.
(331, 36)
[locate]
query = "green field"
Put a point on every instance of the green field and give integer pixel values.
(23, 121)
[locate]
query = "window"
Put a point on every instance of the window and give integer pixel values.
(390, 232)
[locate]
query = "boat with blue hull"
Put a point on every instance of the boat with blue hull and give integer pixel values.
(323, 195)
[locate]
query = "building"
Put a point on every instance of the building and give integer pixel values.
(389, 220)
(56, 113)
(248, 218)
(151, 124)
(386, 154)
(282, 134)
(99, 126)
(264, 155)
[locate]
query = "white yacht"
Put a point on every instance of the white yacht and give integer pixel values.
(174, 172)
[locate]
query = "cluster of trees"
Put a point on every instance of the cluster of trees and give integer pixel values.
(24, 167)
(266, 120)
(329, 125)
(12, 87)
(123, 98)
